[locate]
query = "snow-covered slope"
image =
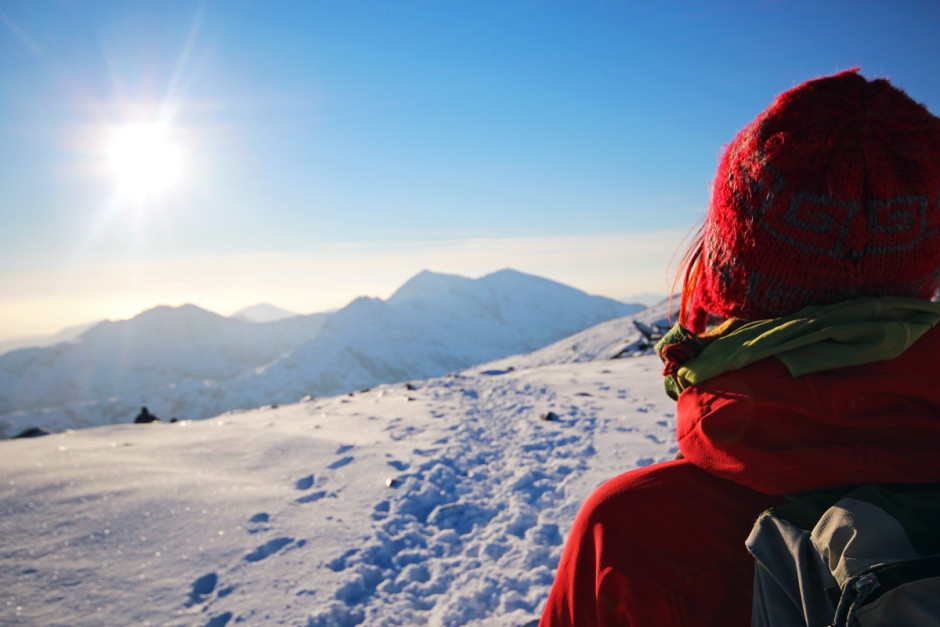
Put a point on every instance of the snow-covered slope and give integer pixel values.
(441, 502)
(189, 363)
(602, 341)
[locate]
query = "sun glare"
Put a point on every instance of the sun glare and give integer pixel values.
(144, 159)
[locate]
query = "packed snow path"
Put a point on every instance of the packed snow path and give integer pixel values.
(441, 502)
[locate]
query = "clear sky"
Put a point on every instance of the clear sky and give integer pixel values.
(326, 150)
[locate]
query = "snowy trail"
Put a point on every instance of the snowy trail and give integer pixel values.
(443, 504)
(450, 525)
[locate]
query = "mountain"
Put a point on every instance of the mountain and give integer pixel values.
(189, 363)
(262, 312)
(434, 324)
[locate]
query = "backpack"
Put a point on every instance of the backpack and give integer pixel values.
(866, 556)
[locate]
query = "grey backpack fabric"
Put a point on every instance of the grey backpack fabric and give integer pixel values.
(862, 557)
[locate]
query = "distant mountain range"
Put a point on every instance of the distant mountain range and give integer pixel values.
(190, 363)
(34, 341)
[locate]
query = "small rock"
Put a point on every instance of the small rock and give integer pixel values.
(33, 432)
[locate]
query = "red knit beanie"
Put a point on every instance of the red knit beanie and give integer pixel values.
(830, 194)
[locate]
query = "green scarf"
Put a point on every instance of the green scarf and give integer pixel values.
(817, 338)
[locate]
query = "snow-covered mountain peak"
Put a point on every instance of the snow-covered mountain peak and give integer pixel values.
(508, 279)
(524, 292)
(184, 323)
(427, 284)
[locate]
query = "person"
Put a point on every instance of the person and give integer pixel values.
(803, 359)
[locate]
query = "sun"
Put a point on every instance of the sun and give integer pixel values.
(144, 159)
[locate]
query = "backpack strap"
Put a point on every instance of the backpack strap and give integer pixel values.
(871, 585)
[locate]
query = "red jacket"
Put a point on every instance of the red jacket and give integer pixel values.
(762, 428)
(664, 545)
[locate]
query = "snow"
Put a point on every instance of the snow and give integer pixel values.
(440, 502)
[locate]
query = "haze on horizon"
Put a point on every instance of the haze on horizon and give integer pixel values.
(304, 154)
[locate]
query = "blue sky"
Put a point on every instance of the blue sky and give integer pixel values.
(332, 149)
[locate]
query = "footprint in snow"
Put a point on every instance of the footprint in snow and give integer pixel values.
(220, 621)
(340, 563)
(380, 512)
(310, 498)
(344, 448)
(399, 466)
(339, 463)
(259, 519)
(545, 534)
(202, 587)
(267, 549)
(304, 483)
(400, 433)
